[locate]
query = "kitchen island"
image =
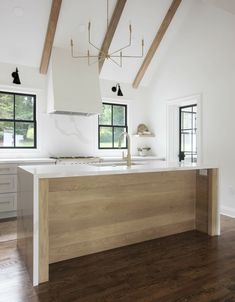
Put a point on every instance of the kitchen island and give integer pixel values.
(71, 211)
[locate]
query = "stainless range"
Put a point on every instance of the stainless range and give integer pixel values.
(76, 160)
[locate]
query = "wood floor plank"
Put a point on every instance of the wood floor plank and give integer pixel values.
(190, 266)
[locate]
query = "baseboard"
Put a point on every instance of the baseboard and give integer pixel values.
(227, 211)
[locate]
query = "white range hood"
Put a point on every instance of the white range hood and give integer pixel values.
(73, 86)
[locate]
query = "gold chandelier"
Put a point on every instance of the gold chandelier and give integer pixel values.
(113, 56)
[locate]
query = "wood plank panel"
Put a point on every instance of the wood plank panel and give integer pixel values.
(213, 207)
(202, 203)
(43, 231)
(119, 181)
(156, 42)
(111, 29)
(51, 29)
(111, 211)
(207, 212)
(100, 213)
(87, 247)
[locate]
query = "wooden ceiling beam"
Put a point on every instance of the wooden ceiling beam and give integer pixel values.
(50, 35)
(111, 29)
(156, 42)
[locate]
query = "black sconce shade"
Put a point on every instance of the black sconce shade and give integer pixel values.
(118, 89)
(16, 78)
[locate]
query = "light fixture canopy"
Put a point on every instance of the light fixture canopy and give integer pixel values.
(114, 55)
(117, 89)
(16, 78)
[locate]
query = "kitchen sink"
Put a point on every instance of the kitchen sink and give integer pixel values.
(116, 164)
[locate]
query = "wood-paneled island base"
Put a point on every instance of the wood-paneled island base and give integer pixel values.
(81, 215)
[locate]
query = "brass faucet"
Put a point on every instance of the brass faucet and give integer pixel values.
(128, 157)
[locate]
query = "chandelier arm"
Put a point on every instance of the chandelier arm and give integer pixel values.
(94, 46)
(132, 56)
(84, 56)
(100, 51)
(89, 40)
(96, 61)
(115, 62)
(128, 45)
(79, 56)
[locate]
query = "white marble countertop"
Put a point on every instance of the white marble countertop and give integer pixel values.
(55, 171)
(134, 157)
(26, 160)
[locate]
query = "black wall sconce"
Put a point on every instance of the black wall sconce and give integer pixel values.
(16, 78)
(118, 89)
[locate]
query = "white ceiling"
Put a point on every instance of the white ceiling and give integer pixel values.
(23, 30)
(227, 5)
(22, 37)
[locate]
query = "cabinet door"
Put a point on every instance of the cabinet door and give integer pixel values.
(8, 183)
(7, 202)
(8, 169)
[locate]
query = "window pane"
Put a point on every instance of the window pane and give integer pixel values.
(106, 136)
(119, 115)
(6, 106)
(6, 134)
(24, 134)
(186, 141)
(24, 107)
(187, 120)
(106, 117)
(117, 132)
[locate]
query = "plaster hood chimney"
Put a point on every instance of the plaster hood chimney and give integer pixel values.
(73, 86)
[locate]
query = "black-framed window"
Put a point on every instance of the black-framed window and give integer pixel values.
(17, 120)
(112, 122)
(188, 133)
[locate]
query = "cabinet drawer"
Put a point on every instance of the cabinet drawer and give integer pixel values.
(7, 202)
(8, 183)
(8, 169)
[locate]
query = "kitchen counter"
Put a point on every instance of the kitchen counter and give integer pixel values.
(54, 171)
(70, 211)
(21, 160)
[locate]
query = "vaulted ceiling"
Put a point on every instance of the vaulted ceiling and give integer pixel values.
(227, 5)
(23, 26)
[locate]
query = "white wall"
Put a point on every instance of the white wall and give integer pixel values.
(70, 135)
(200, 59)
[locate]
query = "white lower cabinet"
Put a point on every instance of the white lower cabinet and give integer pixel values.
(8, 186)
(8, 190)
(8, 169)
(7, 202)
(8, 183)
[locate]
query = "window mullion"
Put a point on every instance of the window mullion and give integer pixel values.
(112, 126)
(14, 112)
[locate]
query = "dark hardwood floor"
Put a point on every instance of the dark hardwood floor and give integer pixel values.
(186, 267)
